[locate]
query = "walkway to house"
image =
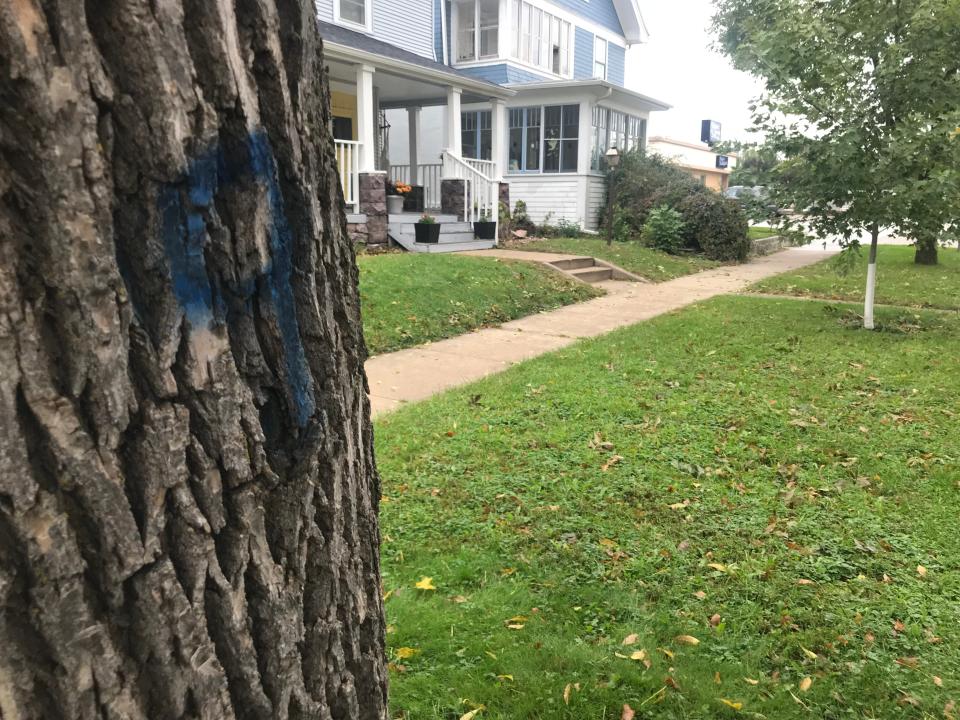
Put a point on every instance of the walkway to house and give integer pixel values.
(418, 373)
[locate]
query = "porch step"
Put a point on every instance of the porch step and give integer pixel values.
(446, 228)
(574, 263)
(593, 274)
(411, 217)
(409, 242)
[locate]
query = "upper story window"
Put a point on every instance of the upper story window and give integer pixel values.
(477, 25)
(599, 58)
(540, 38)
(353, 13)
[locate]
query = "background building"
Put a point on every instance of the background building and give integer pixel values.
(710, 168)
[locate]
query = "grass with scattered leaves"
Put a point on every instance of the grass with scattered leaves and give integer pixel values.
(757, 232)
(409, 299)
(899, 280)
(631, 256)
(748, 507)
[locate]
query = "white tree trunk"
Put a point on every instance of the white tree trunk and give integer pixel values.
(871, 280)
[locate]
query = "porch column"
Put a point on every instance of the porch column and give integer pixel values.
(498, 137)
(366, 119)
(413, 130)
(451, 137)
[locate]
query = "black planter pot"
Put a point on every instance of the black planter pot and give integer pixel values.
(427, 232)
(485, 230)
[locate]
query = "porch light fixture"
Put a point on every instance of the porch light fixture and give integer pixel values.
(613, 157)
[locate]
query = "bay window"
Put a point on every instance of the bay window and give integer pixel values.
(540, 38)
(477, 25)
(544, 139)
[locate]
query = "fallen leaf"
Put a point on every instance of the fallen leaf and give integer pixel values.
(751, 681)
(668, 653)
(638, 655)
(809, 653)
(492, 655)
(716, 677)
(516, 626)
(738, 706)
(505, 677)
(908, 662)
(805, 581)
(606, 542)
(687, 640)
(566, 693)
(614, 459)
(630, 639)
(948, 710)
(700, 595)
(715, 619)
(898, 626)
(669, 681)
(938, 681)
(459, 599)
(717, 566)
(806, 683)
(405, 653)
(921, 571)
(627, 713)
(425, 583)
(472, 714)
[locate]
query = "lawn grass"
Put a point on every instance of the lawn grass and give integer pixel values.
(756, 232)
(631, 256)
(899, 280)
(779, 470)
(409, 299)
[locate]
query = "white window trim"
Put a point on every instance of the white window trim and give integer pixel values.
(366, 27)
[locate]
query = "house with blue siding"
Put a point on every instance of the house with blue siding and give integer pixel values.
(529, 94)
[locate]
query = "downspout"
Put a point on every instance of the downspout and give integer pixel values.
(443, 30)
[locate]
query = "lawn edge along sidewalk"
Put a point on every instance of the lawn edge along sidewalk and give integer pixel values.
(420, 372)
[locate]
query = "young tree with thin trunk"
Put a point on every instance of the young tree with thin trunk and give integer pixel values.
(863, 99)
(188, 497)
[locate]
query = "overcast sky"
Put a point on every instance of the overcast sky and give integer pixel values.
(677, 66)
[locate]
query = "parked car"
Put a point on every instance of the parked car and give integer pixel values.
(757, 197)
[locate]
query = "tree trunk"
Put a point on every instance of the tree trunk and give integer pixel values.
(926, 252)
(871, 278)
(188, 497)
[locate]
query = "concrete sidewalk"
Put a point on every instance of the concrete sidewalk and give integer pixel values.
(418, 373)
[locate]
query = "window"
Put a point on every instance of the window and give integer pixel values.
(353, 12)
(478, 26)
(561, 127)
(599, 58)
(615, 129)
(541, 39)
(544, 138)
(475, 134)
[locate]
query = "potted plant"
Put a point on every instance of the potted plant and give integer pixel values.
(396, 193)
(485, 228)
(427, 229)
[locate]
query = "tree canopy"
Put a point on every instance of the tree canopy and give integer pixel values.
(863, 99)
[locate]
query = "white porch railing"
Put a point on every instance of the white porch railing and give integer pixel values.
(348, 162)
(481, 192)
(484, 167)
(427, 175)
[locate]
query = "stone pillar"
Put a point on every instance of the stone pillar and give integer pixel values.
(505, 226)
(373, 204)
(413, 137)
(452, 197)
(366, 119)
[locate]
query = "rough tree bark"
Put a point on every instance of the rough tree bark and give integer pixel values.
(188, 497)
(926, 251)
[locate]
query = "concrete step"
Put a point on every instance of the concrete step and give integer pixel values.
(407, 218)
(408, 242)
(407, 228)
(574, 263)
(593, 274)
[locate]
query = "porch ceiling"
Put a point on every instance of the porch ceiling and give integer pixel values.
(400, 90)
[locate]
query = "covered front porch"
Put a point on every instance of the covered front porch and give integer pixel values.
(367, 80)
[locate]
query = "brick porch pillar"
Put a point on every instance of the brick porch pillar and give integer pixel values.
(504, 228)
(452, 197)
(373, 204)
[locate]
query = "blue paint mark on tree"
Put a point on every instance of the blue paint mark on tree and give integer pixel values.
(182, 212)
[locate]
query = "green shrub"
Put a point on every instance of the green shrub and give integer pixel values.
(663, 230)
(522, 221)
(643, 182)
(716, 226)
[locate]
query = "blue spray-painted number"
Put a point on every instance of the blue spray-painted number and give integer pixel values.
(183, 227)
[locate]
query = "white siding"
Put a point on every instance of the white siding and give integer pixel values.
(544, 195)
(596, 200)
(407, 24)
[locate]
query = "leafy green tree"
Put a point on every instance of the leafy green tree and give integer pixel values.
(756, 162)
(863, 98)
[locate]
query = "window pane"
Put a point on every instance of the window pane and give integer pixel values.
(516, 148)
(551, 122)
(571, 121)
(489, 42)
(551, 155)
(466, 30)
(533, 139)
(353, 11)
(600, 50)
(568, 156)
(485, 144)
(469, 143)
(489, 24)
